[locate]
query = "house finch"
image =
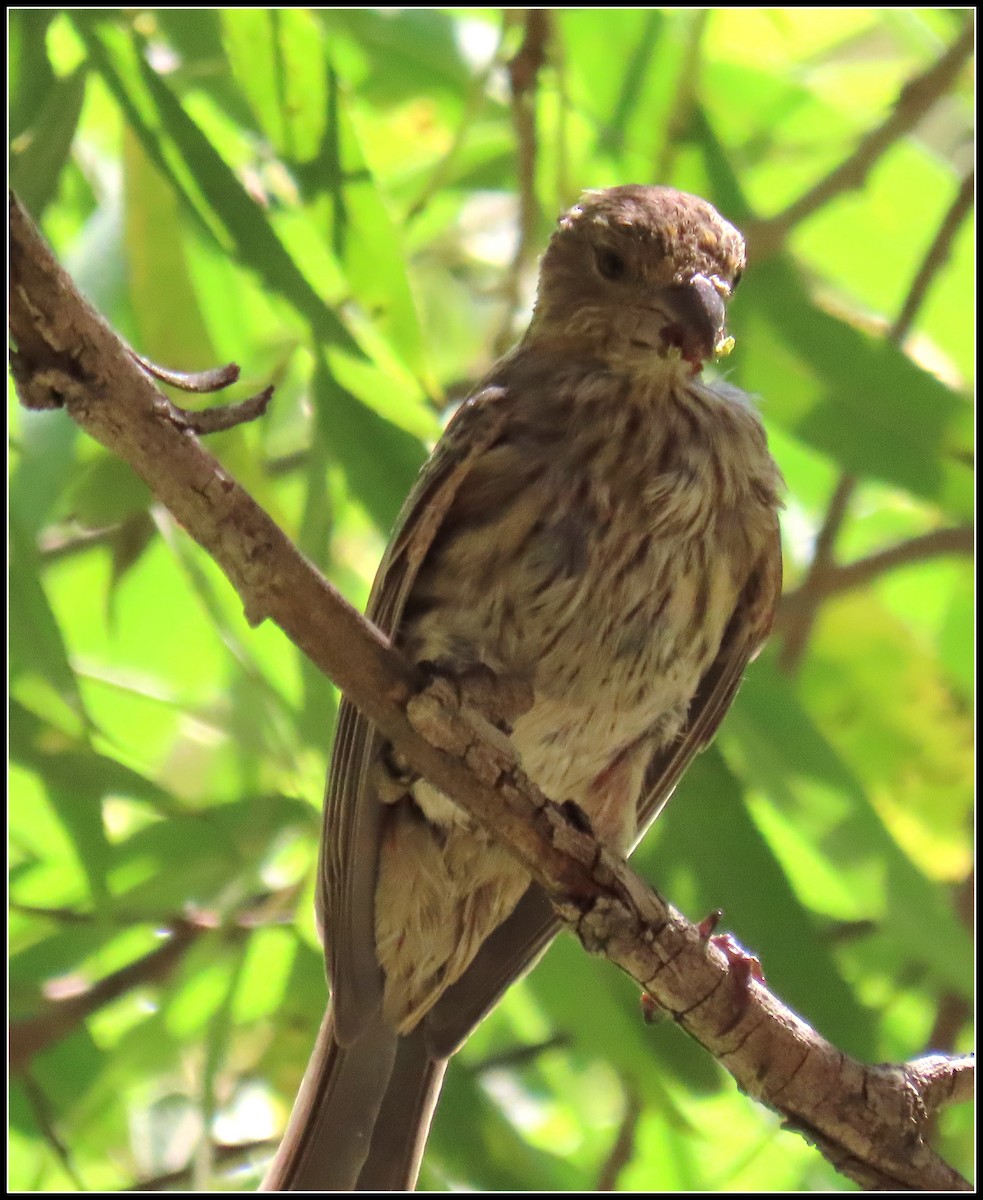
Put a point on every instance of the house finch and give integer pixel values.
(599, 526)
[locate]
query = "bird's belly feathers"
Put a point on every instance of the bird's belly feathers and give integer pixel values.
(625, 645)
(603, 570)
(613, 624)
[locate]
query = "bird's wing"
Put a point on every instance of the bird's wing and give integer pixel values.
(352, 811)
(746, 632)
(518, 942)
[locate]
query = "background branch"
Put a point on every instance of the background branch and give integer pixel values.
(225, 1155)
(623, 1150)
(823, 577)
(861, 1116)
(30, 1036)
(845, 577)
(767, 237)
(523, 71)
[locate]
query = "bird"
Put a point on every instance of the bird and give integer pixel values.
(598, 528)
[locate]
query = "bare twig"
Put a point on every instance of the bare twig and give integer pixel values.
(867, 1119)
(220, 416)
(684, 104)
(823, 576)
(475, 97)
(524, 71)
(67, 916)
(224, 416)
(31, 1035)
(800, 625)
(847, 576)
(41, 1107)
(62, 543)
(766, 237)
(954, 1009)
(623, 1150)
(935, 258)
(520, 1056)
(200, 382)
(941, 1080)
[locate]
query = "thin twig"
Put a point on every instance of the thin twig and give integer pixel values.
(768, 236)
(681, 116)
(29, 1036)
(954, 1009)
(42, 1109)
(935, 258)
(939, 543)
(57, 544)
(523, 72)
(520, 1056)
(225, 416)
(623, 1150)
(217, 379)
(814, 586)
(797, 635)
(477, 95)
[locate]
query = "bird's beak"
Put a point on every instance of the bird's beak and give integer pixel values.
(698, 325)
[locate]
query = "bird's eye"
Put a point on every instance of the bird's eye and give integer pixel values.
(738, 275)
(610, 264)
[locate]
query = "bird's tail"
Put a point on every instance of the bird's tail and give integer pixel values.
(362, 1114)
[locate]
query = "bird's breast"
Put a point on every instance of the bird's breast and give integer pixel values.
(606, 580)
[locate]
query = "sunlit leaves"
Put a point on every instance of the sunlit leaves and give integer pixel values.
(327, 197)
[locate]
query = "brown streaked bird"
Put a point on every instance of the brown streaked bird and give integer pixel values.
(598, 525)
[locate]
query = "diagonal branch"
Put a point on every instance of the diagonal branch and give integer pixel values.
(868, 1120)
(823, 576)
(229, 1155)
(30, 1036)
(844, 577)
(935, 258)
(768, 236)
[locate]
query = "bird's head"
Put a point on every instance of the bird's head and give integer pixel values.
(641, 276)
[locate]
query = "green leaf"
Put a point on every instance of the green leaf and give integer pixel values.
(41, 150)
(277, 57)
(840, 821)
(31, 77)
(380, 460)
(36, 643)
(209, 187)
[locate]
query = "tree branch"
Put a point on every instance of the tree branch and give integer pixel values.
(958, 539)
(523, 71)
(935, 258)
(868, 1120)
(30, 1036)
(767, 237)
(623, 1150)
(823, 576)
(680, 118)
(42, 1110)
(799, 624)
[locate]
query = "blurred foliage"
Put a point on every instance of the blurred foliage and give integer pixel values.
(330, 199)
